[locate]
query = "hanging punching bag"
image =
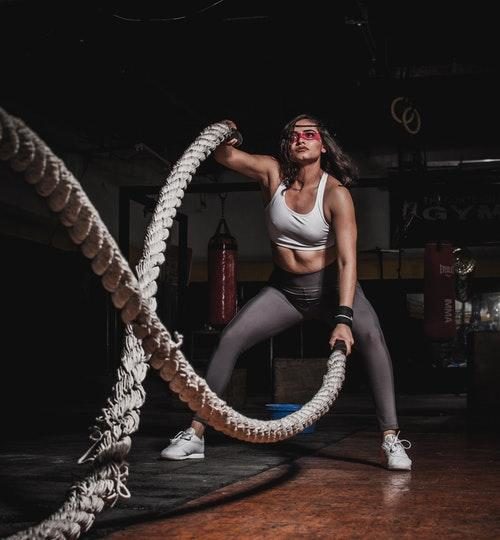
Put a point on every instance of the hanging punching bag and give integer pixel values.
(439, 291)
(222, 286)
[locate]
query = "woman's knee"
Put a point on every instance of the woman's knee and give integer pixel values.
(231, 338)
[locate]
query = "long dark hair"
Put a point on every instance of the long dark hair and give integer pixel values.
(334, 161)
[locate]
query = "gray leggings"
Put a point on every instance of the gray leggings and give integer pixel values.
(289, 299)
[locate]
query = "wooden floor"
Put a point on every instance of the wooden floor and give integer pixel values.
(341, 492)
(325, 485)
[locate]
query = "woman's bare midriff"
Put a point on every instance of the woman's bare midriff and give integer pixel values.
(302, 262)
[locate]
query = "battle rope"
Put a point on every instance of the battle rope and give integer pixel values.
(146, 339)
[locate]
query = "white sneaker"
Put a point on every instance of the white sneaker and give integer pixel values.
(185, 445)
(394, 454)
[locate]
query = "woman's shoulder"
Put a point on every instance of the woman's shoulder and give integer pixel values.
(332, 183)
(335, 191)
(269, 163)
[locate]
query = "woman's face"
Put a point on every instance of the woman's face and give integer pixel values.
(305, 142)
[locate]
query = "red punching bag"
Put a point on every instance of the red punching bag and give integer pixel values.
(222, 286)
(439, 291)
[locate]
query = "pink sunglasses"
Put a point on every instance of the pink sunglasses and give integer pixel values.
(296, 136)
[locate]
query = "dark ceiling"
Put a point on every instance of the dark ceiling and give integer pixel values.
(92, 75)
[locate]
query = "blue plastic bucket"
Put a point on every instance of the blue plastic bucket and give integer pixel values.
(279, 410)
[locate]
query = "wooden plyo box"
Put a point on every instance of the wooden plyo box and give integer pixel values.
(296, 380)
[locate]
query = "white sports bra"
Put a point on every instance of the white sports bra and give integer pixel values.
(308, 232)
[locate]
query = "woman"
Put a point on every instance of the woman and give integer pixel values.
(312, 226)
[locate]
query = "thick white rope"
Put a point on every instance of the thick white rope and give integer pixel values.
(146, 337)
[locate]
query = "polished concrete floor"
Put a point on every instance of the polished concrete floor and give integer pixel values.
(327, 484)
